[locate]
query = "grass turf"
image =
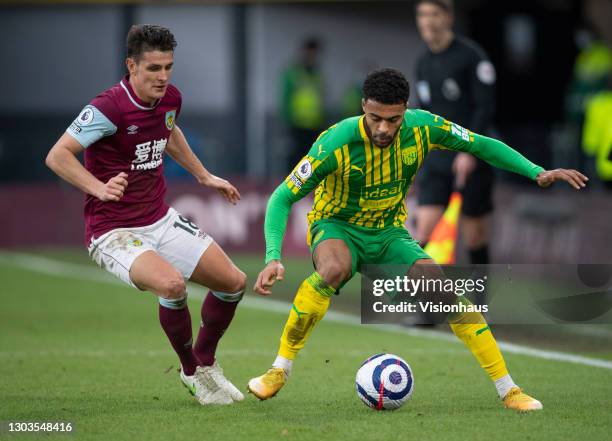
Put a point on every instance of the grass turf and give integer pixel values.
(93, 353)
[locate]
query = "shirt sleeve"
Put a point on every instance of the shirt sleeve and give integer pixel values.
(448, 135)
(96, 121)
(307, 174)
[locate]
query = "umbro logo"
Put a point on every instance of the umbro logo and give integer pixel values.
(132, 130)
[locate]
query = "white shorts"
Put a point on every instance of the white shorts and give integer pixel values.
(173, 237)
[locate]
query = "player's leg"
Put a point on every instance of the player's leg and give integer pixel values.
(226, 282)
(151, 272)
(201, 260)
(131, 256)
(469, 327)
(472, 329)
(335, 262)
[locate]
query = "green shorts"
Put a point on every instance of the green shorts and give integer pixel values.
(390, 245)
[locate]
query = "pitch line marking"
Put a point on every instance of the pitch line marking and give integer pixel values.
(55, 268)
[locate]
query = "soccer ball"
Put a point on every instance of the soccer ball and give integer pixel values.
(384, 382)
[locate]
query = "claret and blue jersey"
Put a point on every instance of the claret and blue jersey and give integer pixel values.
(121, 133)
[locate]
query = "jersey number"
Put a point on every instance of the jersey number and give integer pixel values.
(186, 225)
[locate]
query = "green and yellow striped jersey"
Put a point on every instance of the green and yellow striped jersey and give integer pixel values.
(362, 184)
(366, 185)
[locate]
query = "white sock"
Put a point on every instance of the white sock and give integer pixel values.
(282, 362)
(503, 385)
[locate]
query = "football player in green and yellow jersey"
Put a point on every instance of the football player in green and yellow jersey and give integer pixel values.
(361, 170)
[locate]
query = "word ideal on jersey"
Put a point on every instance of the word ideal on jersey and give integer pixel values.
(149, 156)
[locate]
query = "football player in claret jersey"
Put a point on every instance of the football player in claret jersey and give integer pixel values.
(362, 168)
(130, 230)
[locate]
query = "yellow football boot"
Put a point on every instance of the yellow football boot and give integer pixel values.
(518, 400)
(268, 385)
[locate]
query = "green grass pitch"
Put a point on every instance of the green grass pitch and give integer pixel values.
(92, 352)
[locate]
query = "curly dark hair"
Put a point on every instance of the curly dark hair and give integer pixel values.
(386, 86)
(145, 37)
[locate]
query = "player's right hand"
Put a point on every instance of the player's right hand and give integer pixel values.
(273, 271)
(115, 187)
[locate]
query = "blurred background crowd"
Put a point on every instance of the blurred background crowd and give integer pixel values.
(261, 79)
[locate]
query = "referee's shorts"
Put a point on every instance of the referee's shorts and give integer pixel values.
(435, 181)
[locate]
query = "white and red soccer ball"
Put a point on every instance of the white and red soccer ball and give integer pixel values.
(384, 382)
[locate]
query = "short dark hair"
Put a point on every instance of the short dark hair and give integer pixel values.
(447, 5)
(145, 37)
(386, 86)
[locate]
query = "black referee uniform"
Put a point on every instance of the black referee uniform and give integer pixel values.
(458, 84)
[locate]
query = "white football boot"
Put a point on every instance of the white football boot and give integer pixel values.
(224, 383)
(206, 389)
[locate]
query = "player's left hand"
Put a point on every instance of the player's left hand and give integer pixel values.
(273, 272)
(463, 165)
(225, 189)
(572, 177)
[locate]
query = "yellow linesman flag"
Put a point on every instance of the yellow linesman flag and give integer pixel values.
(442, 244)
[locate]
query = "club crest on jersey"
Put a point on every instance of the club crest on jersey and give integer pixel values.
(170, 117)
(409, 155)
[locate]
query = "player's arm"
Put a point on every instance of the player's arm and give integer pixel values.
(498, 154)
(90, 126)
(300, 182)
(178, 148)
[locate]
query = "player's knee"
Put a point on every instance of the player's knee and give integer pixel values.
(233, 290)
(234, 283)
(239, 284)
(334, 273)
(174, 287)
